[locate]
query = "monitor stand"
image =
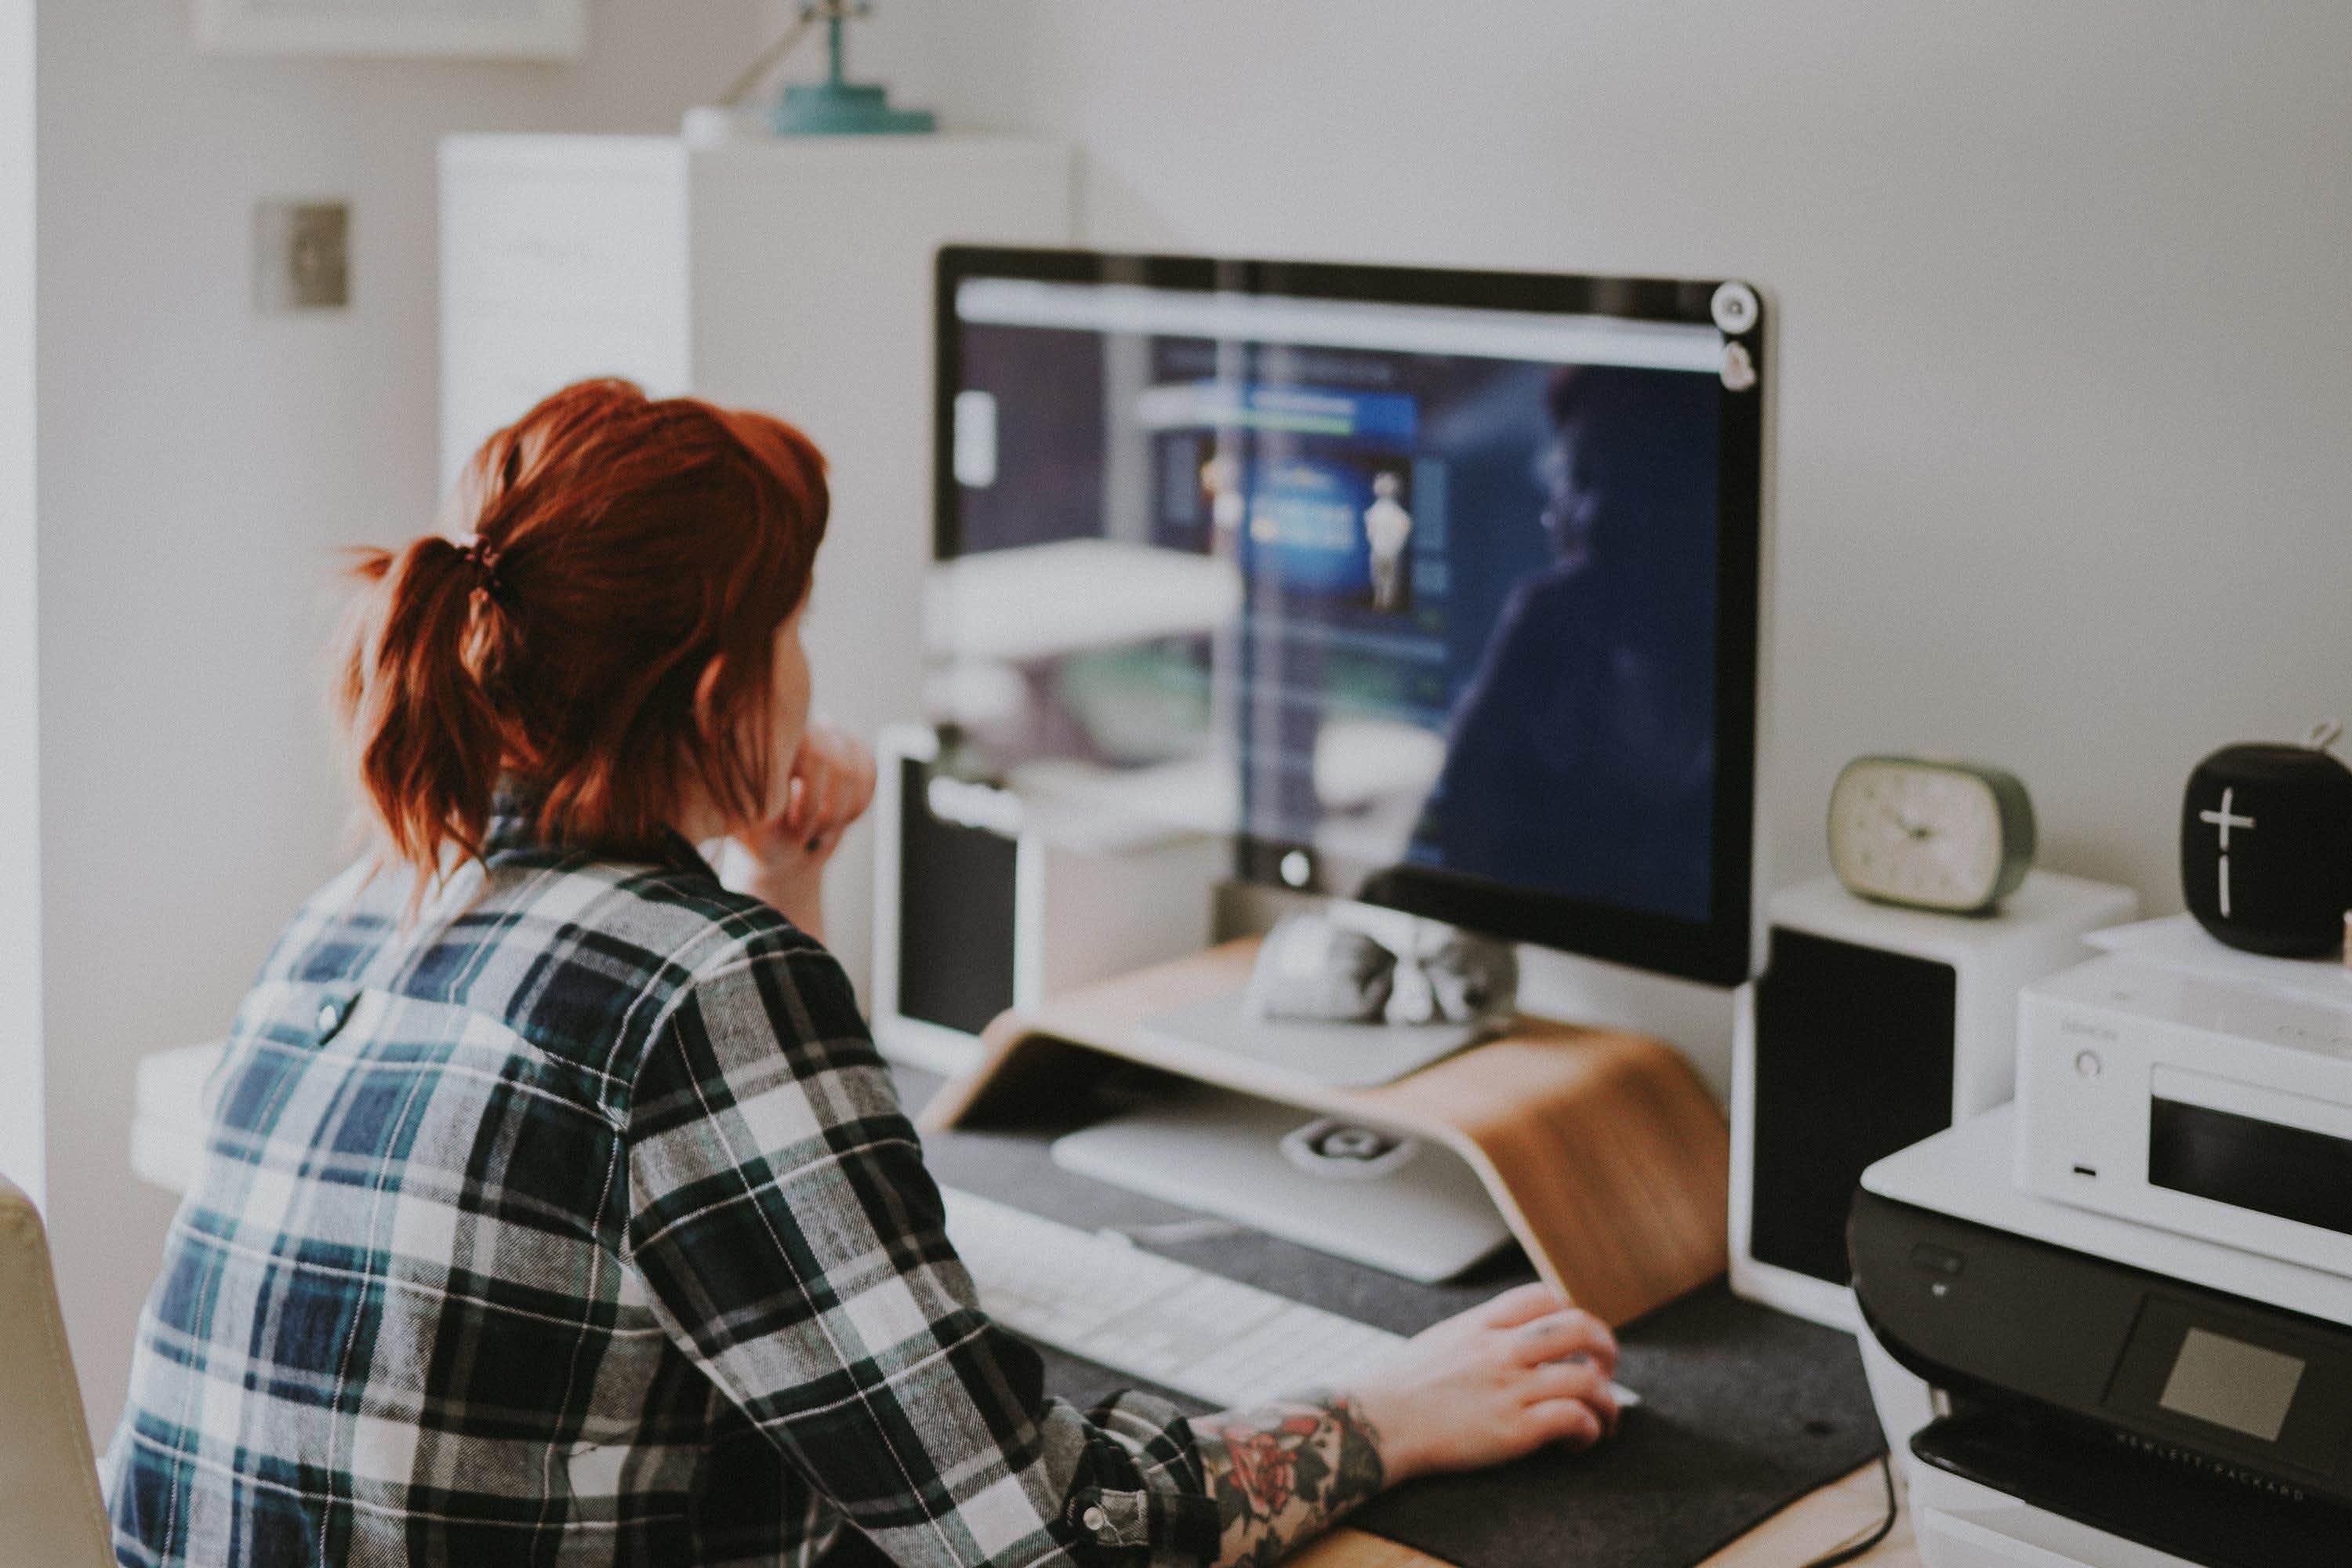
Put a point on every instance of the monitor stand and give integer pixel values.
(1223, 1029)
(1603, 1151)
(1405, 1205)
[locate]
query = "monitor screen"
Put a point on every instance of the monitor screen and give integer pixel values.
(1437, 589)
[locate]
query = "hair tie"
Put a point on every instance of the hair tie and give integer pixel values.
(483, 556)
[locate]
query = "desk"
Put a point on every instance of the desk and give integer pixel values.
(167, 1148)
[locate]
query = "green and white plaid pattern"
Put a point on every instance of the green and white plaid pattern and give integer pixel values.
(577, 1221)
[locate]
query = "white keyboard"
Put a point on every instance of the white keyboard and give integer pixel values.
(1099, 1296)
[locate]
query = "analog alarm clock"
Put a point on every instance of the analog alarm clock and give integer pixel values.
(1952, 837)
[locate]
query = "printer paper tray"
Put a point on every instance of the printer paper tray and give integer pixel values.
(2080, 1473)
(2013, 1535)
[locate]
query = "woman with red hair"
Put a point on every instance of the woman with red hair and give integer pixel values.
(557, 1207)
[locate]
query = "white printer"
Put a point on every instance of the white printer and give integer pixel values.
(2070, 1389)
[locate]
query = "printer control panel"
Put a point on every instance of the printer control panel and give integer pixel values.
(2253, 1393)
(2224, 1378)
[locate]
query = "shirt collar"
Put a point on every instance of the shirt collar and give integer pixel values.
(514, 829)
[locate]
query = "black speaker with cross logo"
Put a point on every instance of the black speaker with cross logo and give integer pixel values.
(2266, 846)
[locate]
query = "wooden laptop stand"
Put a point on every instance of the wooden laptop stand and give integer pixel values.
(1602, 1150)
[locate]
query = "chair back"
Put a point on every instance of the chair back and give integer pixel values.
(49, 1507)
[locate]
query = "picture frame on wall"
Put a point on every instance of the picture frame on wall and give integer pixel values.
(471, 29)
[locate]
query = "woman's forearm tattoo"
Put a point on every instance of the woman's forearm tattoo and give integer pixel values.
(1285, 1472)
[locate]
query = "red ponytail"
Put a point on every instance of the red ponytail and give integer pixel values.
(605, 634)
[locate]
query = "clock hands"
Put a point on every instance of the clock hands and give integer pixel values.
(1920, 831)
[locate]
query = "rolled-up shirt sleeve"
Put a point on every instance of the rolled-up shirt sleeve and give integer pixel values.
(781, 1218)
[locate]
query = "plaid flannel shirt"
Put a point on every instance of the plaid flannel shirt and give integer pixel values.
(577, 1221)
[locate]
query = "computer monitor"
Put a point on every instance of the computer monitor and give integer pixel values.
(1434, 589)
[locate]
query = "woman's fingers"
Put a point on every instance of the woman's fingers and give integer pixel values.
(834, 779)
(1564, 1334)
(1578, 1380)
(869, 774)
(1506, 1377)
(1521, 1304)
(823, 788)
(1569, 1421)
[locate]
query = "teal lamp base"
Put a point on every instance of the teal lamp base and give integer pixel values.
(845, 108)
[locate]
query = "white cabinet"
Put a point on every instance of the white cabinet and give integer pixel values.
(793, 276)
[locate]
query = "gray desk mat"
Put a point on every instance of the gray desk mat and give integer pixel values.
(1745, 1410)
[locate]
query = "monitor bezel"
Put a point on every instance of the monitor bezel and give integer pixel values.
(1719, 950)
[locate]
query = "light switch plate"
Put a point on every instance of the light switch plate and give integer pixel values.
(302, 256)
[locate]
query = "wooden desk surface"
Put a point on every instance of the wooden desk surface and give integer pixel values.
(1842, 1511)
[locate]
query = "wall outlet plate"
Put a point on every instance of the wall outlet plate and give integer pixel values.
(302, 256)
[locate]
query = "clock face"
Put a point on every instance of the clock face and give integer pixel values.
(1921, 833)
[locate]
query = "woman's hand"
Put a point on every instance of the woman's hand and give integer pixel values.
(827, 789)
(1492, 1383)
(1489, 1386)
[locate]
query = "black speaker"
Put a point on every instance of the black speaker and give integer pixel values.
(2266, 847)
(955, 897)
(979, 907)
(1872, 1027)
(1854, 1062)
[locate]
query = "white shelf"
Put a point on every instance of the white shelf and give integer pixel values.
(792, 276)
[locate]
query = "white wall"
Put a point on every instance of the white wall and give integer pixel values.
(2062, 388)
(2063, 365)
(199, 467)
(20, 863)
